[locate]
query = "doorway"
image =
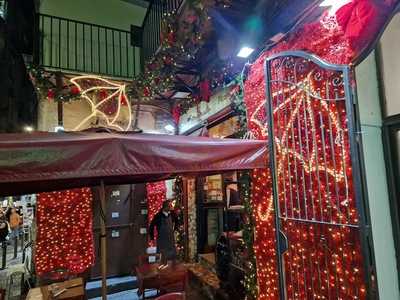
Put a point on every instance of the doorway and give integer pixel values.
(124, 219)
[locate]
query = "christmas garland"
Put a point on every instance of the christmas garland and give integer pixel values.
(182, 36)
(179, 229)
(250, 279)
(44, 82)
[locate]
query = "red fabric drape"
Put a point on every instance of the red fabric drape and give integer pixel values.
(156, 195)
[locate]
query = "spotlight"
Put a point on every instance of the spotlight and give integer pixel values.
(245, 52)
(28, 128)
(169, 127)
(58, 128)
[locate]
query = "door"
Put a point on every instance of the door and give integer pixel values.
(391, 135)
(124, 220)
(210, 208)
(322, 249)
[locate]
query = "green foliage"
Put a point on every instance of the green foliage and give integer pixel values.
(250, 281)
(180, 230)
(44, 82)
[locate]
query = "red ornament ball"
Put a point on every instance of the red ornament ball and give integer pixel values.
(124, 101)
(75, 90)
(51, 94)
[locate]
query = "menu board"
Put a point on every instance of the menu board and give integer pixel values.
(213, 188)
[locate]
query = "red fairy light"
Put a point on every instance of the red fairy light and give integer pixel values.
(334, 250)
(65, 232)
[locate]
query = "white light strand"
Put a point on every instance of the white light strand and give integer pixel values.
(119, 90)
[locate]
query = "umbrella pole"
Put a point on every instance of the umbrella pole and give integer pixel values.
(103, 241)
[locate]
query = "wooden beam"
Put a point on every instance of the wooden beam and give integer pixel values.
(103, 241)
(59, 87)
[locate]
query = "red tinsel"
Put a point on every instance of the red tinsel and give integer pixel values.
(156, 195)
(323, 262)
(64, 232)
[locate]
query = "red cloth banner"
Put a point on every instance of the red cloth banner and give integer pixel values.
(156, 195)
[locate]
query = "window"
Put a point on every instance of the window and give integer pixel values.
(3, 9)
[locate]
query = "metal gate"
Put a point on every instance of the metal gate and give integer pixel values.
(316, 179)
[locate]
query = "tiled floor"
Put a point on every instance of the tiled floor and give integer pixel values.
(126, 295)
(110, 281)
(132, 295)
(12, 265)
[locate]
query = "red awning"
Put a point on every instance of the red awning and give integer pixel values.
(51, 161)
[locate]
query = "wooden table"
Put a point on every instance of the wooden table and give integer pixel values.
(74, 290)
(165, 280)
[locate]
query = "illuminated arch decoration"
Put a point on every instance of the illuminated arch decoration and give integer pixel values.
(114, 95)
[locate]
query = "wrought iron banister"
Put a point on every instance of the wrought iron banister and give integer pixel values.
(152, 25)
(71, 45)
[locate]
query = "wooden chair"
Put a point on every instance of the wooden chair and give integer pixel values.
(174, 279)
(147, 273)
(172, 296)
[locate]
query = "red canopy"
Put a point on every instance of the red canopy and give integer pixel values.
(50, 161)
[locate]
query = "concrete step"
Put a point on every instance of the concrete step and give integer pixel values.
(114, 285)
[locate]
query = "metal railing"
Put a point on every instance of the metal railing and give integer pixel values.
(152, 25)
(77, 46)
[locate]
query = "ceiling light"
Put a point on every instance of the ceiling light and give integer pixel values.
(28, 128)
(58, 128)
(334, 5)
(245, 52)
(181, 95)
(169, 127)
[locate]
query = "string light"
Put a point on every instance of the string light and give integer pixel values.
(118, 90)
(323, 261)
(64, 232)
